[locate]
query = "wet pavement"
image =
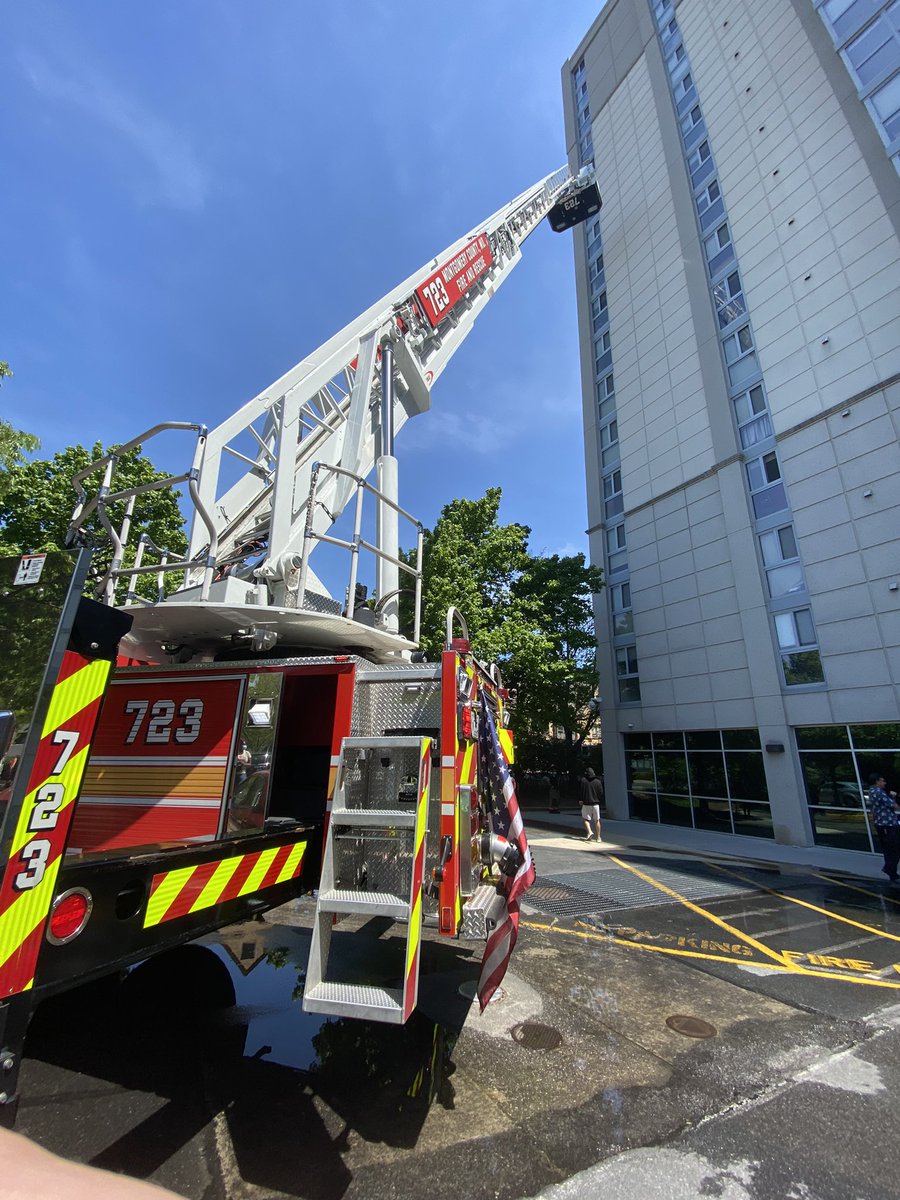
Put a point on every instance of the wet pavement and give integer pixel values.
(670, 1025)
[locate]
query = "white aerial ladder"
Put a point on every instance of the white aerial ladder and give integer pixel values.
(262, 737)
(303, 448)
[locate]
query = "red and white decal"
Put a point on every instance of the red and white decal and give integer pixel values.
(450, 282)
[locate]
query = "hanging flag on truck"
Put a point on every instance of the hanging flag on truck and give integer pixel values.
(506, 821)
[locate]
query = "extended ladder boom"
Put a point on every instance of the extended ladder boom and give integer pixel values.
(306, 444)
(325, 408)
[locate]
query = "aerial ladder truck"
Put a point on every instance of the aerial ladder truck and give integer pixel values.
(178, 763)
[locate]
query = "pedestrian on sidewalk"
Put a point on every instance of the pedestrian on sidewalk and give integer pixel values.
(886, 819)
(554, 792)
(590, 792)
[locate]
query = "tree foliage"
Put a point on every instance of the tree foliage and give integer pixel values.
(15, 444)
(532, 614)
(470, 561)
(37, 500)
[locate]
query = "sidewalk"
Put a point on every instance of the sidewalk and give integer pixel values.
(789, 860)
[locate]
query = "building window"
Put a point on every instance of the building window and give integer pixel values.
(609, 443)
(599, 312)
(700, 163)
(627, 675)
(606, 398)
(684, 86)
(675, 57)
(754, 423)
(867, 33)
(620, 607)
(729, 298)
(740, 356)
(885, 104)
(719, 250)
(846, 16)
(800, 659)
(836, 762)
(613, 502)
(616, 550)
(708, 196)
(712, 779)
(877, 49)
(693, 118)
(766, 488)
(781, 558)
(603, 351)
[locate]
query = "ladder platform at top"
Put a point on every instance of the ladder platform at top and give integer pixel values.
(357, 1000)
(369, 904)
(214, 623)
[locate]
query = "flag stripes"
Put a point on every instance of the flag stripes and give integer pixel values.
(506, 821)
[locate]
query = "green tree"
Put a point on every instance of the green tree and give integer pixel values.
(37, 500)
(14, 444)
(531, 614)
(553, 598)
(470, 562)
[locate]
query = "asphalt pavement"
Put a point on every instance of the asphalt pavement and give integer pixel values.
(670, 1025)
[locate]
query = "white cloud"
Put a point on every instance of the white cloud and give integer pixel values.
(180, 180)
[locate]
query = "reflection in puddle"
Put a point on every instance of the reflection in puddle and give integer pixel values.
(351, 1061)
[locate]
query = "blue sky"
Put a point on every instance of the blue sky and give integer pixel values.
(197, 193)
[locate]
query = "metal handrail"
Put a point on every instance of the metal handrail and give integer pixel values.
(358, 542)
(453, 614)
(105, 496)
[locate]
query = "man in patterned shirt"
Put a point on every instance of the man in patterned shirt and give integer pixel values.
(886, 819)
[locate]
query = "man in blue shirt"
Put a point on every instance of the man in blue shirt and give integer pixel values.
(885, 815)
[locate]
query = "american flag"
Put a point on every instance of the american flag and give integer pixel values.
(507, 821)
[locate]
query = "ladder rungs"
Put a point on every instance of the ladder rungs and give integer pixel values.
(404, 817)
(373, 904)
(356, 1000)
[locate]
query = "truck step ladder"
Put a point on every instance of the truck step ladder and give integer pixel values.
(373, 866)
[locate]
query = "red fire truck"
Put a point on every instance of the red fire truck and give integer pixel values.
(176, 762)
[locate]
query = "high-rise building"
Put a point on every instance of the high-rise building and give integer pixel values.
(739, 318)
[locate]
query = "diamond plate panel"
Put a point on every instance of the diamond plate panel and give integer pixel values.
(398, 704)
(375, 778)
(374, 860)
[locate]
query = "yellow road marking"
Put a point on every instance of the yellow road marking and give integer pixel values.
(806, 904)
(600, 937)
(855, 887)
(744, 937)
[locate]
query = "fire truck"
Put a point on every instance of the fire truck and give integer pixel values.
(178, 761)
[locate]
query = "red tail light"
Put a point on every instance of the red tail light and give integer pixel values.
(69, 915)
(467, 721)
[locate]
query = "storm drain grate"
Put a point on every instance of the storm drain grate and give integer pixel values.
(560, 900)
(613, 889)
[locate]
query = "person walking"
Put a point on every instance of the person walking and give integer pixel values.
(886, 819)
(554, 796)
(590, 792)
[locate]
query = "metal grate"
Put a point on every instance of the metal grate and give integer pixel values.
(559, 900)
(578, 893)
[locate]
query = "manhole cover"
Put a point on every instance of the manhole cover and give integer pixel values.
(532, 1036)
(691, 1026)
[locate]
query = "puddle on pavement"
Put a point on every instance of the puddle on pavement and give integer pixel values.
(203, 1009)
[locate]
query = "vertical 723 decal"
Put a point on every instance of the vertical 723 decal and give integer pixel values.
(40, 837)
